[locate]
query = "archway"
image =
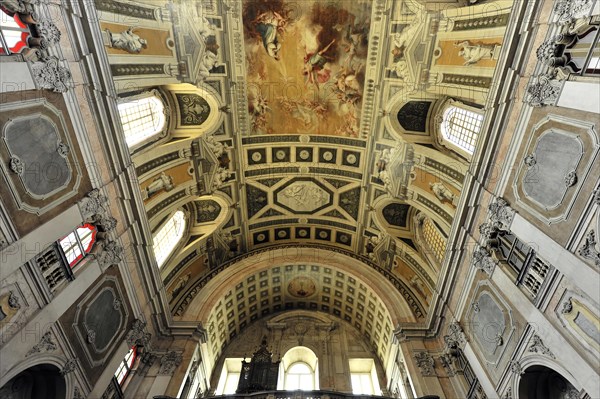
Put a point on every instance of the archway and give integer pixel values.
(541, 382)
(38, 382)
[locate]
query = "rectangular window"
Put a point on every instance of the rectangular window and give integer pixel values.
(363, 377)
(230, 376)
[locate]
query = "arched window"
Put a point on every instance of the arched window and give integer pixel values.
(168, 236)
(13, 33)
(78, 243)
(126, 365)
(460, 128)
(143, 119)
(299, 376)
(299, 370)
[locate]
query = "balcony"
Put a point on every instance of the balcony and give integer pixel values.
(299, 395)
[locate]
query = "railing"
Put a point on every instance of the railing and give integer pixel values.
(300, 395)
(53, 268)
(533, 276)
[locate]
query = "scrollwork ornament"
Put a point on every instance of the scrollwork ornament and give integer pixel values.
(51, 75)
(16, 165)
(111, 254)
(63, 149)
(49, 31)
(515, 367)
(169, 362)
(77, 393)
(537, 346)
(46, 344)
(501, 214)
(91, 336)
(455, 337)
(425, 362)
(530, 160)
(545, 91)
(138, 334)
(69, 367)
(14, 301)
(571, 178)
(588, 249)
(116, 304)
(567, 306)
(508, 394)
(476, 307)
(568, 10)
(483, 261)
(94, 203)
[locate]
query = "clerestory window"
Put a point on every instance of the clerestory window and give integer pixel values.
(460, 129)
(143, 119)
(168, 236)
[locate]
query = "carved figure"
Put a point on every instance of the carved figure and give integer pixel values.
(215, 146)
(206, 28)
(221, 176)
(474, 53)
(162, 182)
(417, 283)
(128, 41)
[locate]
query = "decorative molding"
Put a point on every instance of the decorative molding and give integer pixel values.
(537, 346)
(138, 334)
(77, 393)
(14, 301)
(69, 367)
(508, 394)
(567, 306)
(515, 367)
(483, 261)
(111, 254)
(63, 149)
(455, 337)
(501, 214)
(571, 178)
(446, 361)
(544, 91)
(49, 32)
(425, 362)
(569, 10)
(169, 362)
(94, 203)
(50, 75)
(46, 344)
(530, 160)
(588, 249)
(16, 165)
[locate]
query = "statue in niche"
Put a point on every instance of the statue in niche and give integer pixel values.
(181, 283)
(443, 193)
(162, 182)
(128, 41)
(474, 53)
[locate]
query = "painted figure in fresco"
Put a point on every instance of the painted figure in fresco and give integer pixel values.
(314, 66)
(474, 53)
(128, 41)
(442, 192)
(269, 25)
(162, 182)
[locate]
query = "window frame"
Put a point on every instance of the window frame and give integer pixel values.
(22, 27)
(443, 137)
(127, 365)
(160, 229)
(77, 244)
(311, 373)
(158, 134)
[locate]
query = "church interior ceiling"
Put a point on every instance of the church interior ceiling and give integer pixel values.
(312, 124)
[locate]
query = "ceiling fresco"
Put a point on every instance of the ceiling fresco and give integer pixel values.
(305, 65)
